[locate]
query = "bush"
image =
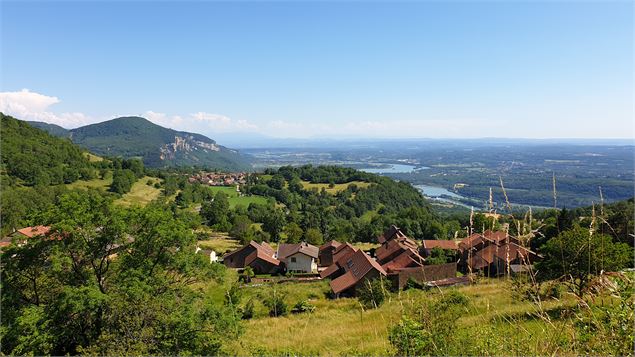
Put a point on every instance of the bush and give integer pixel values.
(303, 306)
(434, 331)
(276, 305)
(372, 293)
(248, 310)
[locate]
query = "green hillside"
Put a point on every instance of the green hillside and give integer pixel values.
(52, 129)
(158, 146)
(31, 156)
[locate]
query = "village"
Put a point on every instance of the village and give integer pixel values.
(219, 178)
(399, 259)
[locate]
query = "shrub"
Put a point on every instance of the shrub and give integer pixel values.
(303, 306)
(276, 305)
(248, 310)
(433, 332)
(372, 293)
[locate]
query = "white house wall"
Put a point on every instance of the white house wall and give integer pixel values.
(303, 263)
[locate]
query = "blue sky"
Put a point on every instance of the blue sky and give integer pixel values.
(314, 69)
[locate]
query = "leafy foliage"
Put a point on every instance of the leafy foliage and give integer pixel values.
(117, 281)
(36, 158)
(576, 255)
(372, 293)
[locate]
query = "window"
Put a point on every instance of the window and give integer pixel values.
(292, 259)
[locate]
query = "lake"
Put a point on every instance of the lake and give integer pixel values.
(433, 191)
(392, 169)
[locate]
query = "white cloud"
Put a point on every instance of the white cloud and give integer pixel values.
(201, 122)
(27, 105)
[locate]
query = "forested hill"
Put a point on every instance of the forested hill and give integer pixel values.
(158, 146)
(52, 129)
(31, 156)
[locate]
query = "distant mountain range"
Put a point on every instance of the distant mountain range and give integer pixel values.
(156, 145)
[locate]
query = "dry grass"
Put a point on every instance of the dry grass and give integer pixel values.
(216, 241)
(342, 327)
(365, 246)
(140, 194)
(101, 184)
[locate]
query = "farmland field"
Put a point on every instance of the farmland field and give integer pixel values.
(235, 199)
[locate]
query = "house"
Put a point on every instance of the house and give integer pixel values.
(391, 233)
(422, 274)
(260, 257)
(340, 255)
(208, 253)
(398, 251)
(445, 244)
(326, 253)
(358, 268)
(22, 235)
(30, 232)
(298, 258)
(495, 260)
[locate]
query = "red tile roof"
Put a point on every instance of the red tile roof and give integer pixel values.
(391, 233)
(495, 236)
(357, 266)
(392, 247)
(285, 250)
(407, 259)
(343, 251)
(330, 244)
(34, 231)
(331, 269)
(440, 243)
(261, 254)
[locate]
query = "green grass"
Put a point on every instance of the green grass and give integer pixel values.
(342, 327)
(93, 158)
(102, 184)
(140, 194)
(218, 242)
(235, 199)
(335, 189)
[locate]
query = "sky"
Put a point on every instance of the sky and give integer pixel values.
(356, 69)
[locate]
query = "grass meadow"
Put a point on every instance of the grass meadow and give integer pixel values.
(343, 327)
(141, 193)
(235, 199)
(335, 189)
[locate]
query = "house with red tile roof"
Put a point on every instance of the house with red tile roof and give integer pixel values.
(30, 232)
(391, 233)
(340, 255)
(325, 257)
(259, 256)
(495, 260)
(398, 251)
(358, 268)
(298, 258)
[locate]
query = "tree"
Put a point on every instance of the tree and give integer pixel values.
(576, 256)
(273, 223)
(313, 236)
(240, 228)
(115, 281)
(215, 211)
(277, 182)
(294, 232)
